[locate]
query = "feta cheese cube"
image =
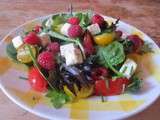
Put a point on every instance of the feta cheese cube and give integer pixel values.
(94, 29)
(17, 41)
(71, 54)
(45, 39)
(128, 68)
(65, 28)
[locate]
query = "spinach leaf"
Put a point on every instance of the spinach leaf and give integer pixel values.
(58, 98)
(11, 51)
(111, 55)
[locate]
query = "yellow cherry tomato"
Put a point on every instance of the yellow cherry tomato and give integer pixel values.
(23, 54)
(104, 39)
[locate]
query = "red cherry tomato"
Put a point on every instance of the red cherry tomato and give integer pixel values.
(101, 88)
(36, 80)
(117, 85)
(88, 43)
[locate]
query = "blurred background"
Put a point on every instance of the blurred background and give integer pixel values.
(143, 14)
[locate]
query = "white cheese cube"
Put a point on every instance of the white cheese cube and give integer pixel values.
(67, 47)
(71, 54)
(17, 41)
(45, 39)
(49, 22)
(94, 29)
(65, 28)
(128, 68)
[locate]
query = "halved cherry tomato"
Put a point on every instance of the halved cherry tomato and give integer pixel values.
(88, 43)
(117, 85)
(101, 88)
(36, 80)
(104, 39)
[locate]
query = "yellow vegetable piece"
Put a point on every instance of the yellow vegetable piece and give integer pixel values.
(68, 92)
(104, 38)
(85, 92)
(57, 28)
(23, 54)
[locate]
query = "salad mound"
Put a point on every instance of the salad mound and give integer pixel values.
(79, 55)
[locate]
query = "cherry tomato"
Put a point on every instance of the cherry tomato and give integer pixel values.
(88, 43)
(117, 85)
(36, 80)
(101, 88)
(104, 39)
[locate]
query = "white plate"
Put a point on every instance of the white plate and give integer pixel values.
(116, 107)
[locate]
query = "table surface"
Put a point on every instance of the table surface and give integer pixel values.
(143, 14)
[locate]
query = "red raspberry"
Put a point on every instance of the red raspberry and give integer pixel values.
(46, 60)
(75, 31)
(137, 42)
(99, 72)
(98, 19)
(53, 47)
(73, 20)
(37, 28)
(32, 39)
(119, 33)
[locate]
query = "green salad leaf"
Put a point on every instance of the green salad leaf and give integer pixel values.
(146, 48)
(58, 98)
(11, 51)
(84, 18)
(111, 55)
(135, 85)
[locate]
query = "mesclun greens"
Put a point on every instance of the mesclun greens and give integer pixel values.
(58, 98)
(146, 48)
(11, 51)
(135, 85)
(111, 55)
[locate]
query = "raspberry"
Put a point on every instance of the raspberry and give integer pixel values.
(75, 31)
(137, 42)
(46, 60)
(53, 47)
(119, 33)
(98, 19)
(32, 39)
(73, 20)
(37, 28)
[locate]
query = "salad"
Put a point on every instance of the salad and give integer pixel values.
(71, 56)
